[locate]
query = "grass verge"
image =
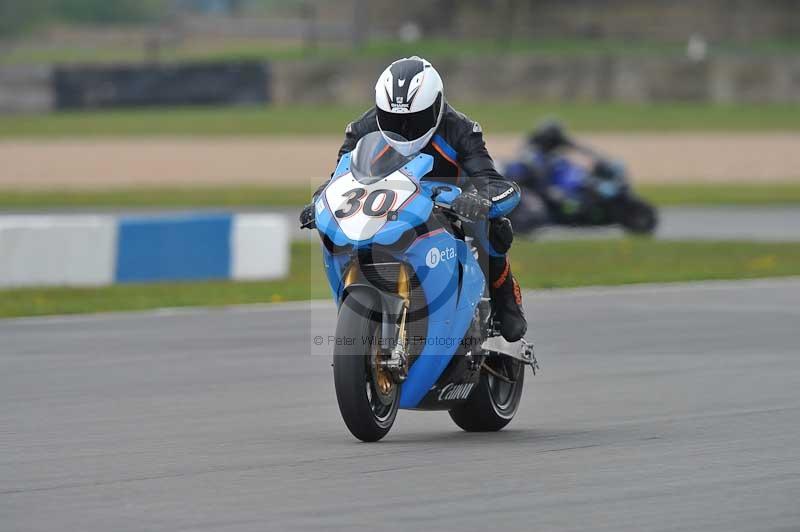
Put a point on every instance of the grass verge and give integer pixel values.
(263, 49)
(537, 265)
(763, 194)
(709, 194)
(434, 49)
(147, 197)
(313, 119)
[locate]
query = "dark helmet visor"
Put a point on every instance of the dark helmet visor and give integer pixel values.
(410, 125)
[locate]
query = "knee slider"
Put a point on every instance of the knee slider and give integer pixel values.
(501, 234)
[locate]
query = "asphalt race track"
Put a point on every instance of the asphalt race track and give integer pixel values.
(659, 408)
(775, 224)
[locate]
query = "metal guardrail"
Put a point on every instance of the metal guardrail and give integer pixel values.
(218, 83)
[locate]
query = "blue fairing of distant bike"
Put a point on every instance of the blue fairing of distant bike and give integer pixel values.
(567, 176)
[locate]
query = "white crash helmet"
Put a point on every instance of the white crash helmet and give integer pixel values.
(409, 101)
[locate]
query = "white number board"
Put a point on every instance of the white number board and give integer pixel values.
(361, 210)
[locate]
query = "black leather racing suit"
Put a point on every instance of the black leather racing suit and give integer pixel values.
(460, 158)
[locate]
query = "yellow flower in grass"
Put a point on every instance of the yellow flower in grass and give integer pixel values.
(763, 263)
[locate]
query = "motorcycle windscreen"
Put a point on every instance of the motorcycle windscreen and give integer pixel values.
(362, 200)
(373, 158)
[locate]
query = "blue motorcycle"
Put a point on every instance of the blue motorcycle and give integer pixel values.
(557, 190)
(415, 328)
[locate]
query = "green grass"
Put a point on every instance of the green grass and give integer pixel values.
(537, 265)
(149, 197)
(710, 194)
(434, 49)
(266, 50)
(312, 119)
(35, 301)
(233, 197)
(561, 264)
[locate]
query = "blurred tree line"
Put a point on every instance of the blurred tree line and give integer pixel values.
(20, 16)
(666, 20)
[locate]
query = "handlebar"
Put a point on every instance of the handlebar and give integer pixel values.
(446, 207)
(450, 212)
(442, 206)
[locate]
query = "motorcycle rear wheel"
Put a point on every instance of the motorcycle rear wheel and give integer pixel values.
(367, 401)
(493, 403)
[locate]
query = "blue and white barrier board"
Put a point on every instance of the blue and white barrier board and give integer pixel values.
(98, 250)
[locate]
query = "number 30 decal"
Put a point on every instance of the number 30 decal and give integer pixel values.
(354, 204)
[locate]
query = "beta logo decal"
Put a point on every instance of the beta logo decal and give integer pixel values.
(436, 255)
(452, 392)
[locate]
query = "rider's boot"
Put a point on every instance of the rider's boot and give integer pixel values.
(507, 299)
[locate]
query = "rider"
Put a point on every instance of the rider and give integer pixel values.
(539, 161)
(409, 101)
(530, 170)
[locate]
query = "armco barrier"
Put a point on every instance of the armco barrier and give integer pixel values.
(106, 86)
(98, 250)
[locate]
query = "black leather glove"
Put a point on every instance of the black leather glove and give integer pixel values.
(307, 217)
(471, 205)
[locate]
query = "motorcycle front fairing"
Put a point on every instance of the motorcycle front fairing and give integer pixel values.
(414, 210)
(449, 275)
(451, 307)
(569, 178)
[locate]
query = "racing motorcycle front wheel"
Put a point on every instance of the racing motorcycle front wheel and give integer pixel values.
(495, 400)
(368, 397)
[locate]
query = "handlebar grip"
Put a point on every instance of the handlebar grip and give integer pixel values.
(450, 211)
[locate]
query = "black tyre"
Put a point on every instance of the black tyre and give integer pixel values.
(495, 400)
(639, 217)
(367, 396)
